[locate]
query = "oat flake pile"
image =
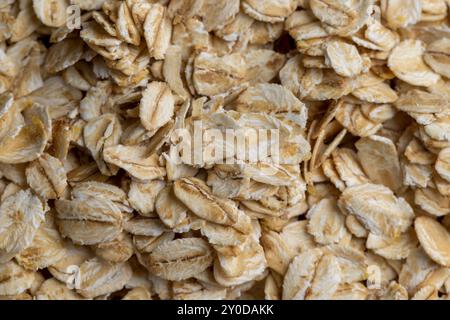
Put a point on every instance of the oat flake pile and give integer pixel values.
(94, 203)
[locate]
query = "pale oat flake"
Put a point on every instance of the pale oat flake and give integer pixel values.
(224, 149)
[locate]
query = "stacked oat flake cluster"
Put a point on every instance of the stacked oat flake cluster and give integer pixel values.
(95, 204)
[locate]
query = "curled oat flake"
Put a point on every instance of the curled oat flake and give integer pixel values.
(180, 259)
(108, 192)
(99, 277)
(157, 105)
(14, 279)
(377, 208)
(47, 247)
(52, 289)
(379, 158)
(46, 176)
(434, 238)
(406, 62)
(89, 219)
(51, 13)
(326, 222)
(311, 275)
(21, 214)
(196, 196)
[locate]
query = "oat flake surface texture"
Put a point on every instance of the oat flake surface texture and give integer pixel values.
(225, 149)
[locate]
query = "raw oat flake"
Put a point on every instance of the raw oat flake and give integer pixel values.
(224, 149)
